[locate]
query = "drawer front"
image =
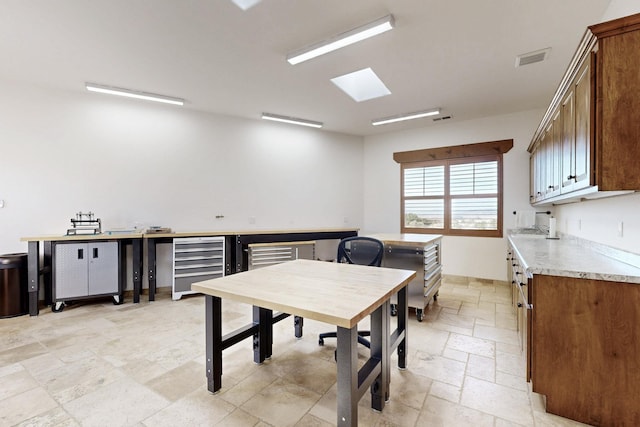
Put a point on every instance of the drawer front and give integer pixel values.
(196, 259)
(183, 284)
(264, 254)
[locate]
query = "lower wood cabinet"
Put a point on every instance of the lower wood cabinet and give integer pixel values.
(581, 340)
(585, 349)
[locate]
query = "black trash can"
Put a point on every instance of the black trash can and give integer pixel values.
(14, 291)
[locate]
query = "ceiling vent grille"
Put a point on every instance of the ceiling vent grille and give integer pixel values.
(532, 57)
(437, 119)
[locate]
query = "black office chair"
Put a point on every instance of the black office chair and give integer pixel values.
(362, 251)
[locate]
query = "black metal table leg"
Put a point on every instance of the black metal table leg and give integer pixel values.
(380, 351)
(151, 265)
(298, 323)
(348, 394)
(47, 272)
(263, 339)
(213, 342)
(33, 275)
(136, 255)
(403, 315)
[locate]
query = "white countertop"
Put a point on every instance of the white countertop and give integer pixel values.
(571, 257)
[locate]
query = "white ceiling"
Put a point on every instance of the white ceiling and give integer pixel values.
(455, 54)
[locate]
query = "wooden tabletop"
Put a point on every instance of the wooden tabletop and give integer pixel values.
(107, 235)
(212, 233)
(102, 236)
(339, 294)
(406, 238)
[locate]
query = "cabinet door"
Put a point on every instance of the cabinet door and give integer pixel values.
(532, 178)
(568, 142)
(583, 127)
(546, 163)
(103, 268)
(555, 162)
(71, 275)
(537, 168)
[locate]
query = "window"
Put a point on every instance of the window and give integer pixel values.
(457, 194)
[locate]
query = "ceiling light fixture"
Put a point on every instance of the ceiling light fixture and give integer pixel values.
(402, 117)
(291, 120)
(371, 29)
(92, 87)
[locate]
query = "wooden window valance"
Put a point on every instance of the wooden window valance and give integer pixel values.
(454, 152)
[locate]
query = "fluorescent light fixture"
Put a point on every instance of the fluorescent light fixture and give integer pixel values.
(402, 117)
(361, 85)
(245, 4)
(371, 29)
(92, 87)
(291, 120)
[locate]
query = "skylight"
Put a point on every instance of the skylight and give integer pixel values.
(362, 85)
(245, 4)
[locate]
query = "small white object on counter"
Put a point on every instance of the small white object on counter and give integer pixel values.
(552, 228)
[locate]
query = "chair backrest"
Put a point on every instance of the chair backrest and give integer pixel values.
(361, 250)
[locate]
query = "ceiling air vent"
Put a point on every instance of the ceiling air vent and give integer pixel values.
(532, 57)
(437, 119)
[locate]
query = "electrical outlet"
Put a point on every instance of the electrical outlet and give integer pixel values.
(252, 220)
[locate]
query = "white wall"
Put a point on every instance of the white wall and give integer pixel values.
(598, 220)
(464, 256)
(620, 8)
(135, 163)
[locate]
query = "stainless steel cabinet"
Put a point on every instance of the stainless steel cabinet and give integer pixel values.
(85, 269)
(264, 254)
(196, 259)
(425, 259)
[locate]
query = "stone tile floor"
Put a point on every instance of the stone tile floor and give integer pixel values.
(96, 364)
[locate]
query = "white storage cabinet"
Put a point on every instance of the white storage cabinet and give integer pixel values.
(196, 259)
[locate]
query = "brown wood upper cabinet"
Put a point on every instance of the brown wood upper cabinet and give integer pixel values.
(588, 142)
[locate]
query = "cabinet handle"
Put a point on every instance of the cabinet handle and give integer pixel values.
(95, 252)
(80, 253)
(571, 177)
(550, 187)
(520, 304)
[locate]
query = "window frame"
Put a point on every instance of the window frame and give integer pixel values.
(447, 156)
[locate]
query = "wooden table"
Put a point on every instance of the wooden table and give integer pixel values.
(236, 244)
(339, 294)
